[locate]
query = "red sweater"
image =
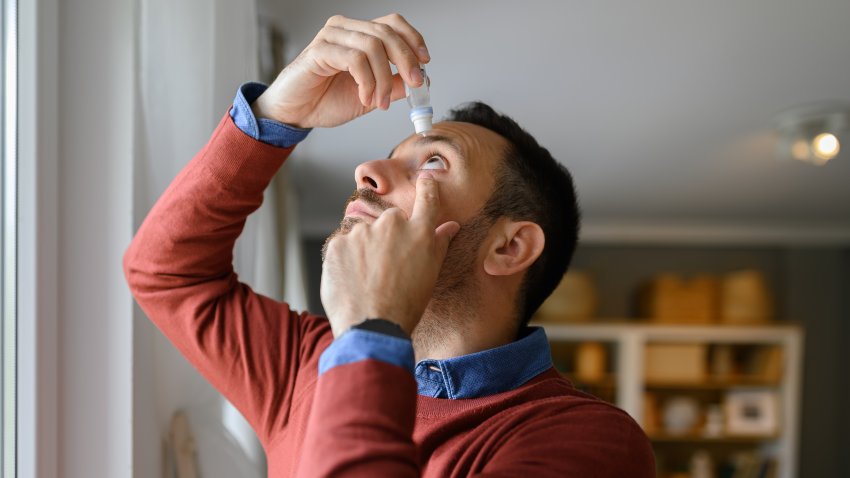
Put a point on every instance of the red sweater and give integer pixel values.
(360, 419)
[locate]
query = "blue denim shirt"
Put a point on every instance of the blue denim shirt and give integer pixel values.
(478, 374)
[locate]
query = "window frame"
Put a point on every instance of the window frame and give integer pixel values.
(8, 250)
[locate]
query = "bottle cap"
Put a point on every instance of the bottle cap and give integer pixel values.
(422, 118)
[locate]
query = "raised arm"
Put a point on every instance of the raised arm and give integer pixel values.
(179, 267)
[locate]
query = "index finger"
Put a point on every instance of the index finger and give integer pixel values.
(427, 202)
(408, 33)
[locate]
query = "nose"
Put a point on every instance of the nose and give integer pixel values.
(377, 175)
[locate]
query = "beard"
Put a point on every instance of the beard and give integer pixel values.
(456, 296)
(365, 195)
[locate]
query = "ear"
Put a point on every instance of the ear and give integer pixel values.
(514, 248)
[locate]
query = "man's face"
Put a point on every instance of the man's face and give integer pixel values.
(461, 157)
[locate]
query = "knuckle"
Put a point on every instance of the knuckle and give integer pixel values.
(334, 20)
(422, 230)
(397, 16)
(409, 56)
(427, 191)
(368, 83)
(312, 49)
(383, 28)
(357, 57)
(372, 43)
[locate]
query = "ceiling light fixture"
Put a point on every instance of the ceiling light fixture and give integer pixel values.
(813, 133)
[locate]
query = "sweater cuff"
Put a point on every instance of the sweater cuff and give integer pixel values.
(356, 345)
(266, 130)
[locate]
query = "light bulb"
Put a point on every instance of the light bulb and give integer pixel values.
(419, 99)
(826, 146)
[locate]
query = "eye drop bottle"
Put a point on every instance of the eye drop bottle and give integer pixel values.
(419, 99)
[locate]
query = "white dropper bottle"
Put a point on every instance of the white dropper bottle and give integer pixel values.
(419, 99)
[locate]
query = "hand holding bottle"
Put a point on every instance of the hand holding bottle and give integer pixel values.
(345, 73)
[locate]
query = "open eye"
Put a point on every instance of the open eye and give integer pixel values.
(435, 161)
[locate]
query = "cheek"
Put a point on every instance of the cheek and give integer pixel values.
(406, 199)
(457, 206)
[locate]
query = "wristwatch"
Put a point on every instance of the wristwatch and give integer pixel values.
(382, 326)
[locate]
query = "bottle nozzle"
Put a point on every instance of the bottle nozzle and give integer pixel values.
(422, 118)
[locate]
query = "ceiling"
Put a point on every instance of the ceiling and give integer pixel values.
(661, 109)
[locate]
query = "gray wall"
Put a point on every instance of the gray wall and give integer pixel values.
(811, 286)
(843, 418)
(813, 291)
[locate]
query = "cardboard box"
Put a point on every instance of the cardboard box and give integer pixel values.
(671, 299)
(676, 362)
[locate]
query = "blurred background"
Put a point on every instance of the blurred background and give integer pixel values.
(709, 142)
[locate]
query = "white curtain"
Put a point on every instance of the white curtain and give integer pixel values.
(192, 57)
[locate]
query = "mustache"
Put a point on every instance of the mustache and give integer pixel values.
(370, 197)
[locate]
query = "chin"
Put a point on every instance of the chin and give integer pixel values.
(345, 227)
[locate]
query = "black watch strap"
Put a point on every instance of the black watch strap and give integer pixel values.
(382, 326)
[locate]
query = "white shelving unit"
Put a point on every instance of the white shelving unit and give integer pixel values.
(630, 340)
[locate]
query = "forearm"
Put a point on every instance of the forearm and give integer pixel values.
(187, 238)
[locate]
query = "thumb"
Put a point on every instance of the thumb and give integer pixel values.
(443, 237)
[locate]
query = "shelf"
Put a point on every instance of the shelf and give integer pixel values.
(725, 439)
(613, 331)
(626, 384)
(714, 384)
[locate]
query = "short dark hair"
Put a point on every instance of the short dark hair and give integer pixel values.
(530, 186)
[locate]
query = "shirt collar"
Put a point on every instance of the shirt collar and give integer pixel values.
(487, 372)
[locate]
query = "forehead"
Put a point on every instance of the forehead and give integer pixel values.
(478, 146)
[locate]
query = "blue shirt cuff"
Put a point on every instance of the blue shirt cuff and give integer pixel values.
(266, 130)
(356, 345)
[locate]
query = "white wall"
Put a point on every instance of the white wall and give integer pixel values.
(76, 193)
(95, 225)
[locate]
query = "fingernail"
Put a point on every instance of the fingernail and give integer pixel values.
(423, 53)
(427, 175)
(387, 102)
(416, 76)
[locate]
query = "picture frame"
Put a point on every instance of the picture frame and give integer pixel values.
(751, 412)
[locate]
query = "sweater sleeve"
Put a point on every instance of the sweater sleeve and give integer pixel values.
(361, 423)
(179, 268)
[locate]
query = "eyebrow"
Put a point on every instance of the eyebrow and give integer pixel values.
(435, 138)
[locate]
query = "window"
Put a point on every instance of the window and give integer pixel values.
(8, 237)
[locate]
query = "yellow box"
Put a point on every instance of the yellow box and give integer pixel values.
(676, 362)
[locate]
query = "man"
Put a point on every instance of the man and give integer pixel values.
(453, 241)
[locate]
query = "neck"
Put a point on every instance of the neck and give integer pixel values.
(455, 326)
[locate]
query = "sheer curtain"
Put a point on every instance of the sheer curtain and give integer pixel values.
(192, 57)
